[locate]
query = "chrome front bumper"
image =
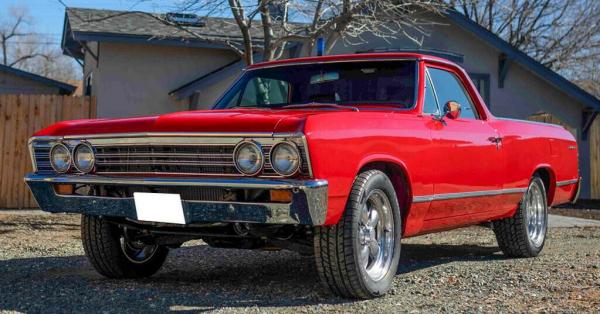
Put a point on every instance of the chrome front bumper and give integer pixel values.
(308, 205)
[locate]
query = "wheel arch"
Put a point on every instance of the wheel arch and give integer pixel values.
(545, 172)
(398, 173)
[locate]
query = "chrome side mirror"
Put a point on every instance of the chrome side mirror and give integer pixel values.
(452, 110)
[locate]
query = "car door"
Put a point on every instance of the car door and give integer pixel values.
(468, 161)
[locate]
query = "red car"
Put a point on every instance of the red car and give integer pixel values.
(336, 156)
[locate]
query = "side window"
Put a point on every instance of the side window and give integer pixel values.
(264, 91)
(430, 105)
(449, 88)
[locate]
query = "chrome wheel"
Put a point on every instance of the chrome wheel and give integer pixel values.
(536, 212)
(376, 235)
(136, 251)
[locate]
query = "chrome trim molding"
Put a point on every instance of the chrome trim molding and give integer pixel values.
(451, 196)
(566, 182)
(249, 183)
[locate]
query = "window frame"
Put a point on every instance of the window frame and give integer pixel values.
(464, 80)
(435, 97)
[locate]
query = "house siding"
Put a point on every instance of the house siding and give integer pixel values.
(14, 84)
(122, 81)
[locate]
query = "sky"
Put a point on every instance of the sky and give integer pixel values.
(48, 15)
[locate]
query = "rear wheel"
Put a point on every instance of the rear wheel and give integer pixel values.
(116, 252)
(358, 257)
(524, 234)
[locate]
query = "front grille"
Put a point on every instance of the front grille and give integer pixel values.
(41, 155)
(197, 158)
(200, 160)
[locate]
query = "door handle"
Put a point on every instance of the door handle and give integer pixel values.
(495, 139)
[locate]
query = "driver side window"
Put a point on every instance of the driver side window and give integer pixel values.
(449, 88)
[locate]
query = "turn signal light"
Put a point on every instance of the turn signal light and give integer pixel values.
(64, 189)
(280, 196)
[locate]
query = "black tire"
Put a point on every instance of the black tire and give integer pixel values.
(512, 233)
(337, 247)
(102, 246)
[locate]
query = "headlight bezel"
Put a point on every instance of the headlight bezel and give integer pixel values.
(74, 157)
(296, 151)
(261, 154)
(51, 155)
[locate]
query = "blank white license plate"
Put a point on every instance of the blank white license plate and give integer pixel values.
(159, 207)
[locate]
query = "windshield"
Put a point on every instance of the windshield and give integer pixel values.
(340, 83)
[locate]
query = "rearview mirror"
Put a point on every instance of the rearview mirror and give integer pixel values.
(452, 110)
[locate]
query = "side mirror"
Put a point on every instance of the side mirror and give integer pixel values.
(452, 110)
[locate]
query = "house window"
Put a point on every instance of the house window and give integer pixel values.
(482, 83)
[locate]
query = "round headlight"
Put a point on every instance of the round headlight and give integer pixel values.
(249, 158)
(60, 158)
(285, 158)
(83, 158)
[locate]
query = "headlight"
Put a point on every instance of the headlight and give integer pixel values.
(285, 158)
(60, 158)
(248, 157)
(83, 158)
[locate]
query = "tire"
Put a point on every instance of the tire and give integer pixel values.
(338, 248)
(103, 246)
(516, 235)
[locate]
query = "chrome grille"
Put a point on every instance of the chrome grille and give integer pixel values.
(197, 159)
(41, 155)
(167, 155)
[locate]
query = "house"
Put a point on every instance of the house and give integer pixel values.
(15, 81)
(136, 65)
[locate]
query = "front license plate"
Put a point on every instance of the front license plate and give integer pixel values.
(159, 207)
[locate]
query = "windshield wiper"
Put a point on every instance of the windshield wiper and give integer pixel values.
(320, 104)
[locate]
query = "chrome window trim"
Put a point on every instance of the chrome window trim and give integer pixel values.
(451, 196)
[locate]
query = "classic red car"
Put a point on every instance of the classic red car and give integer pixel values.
(336, 156)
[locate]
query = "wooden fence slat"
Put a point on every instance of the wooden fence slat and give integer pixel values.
(20, 117)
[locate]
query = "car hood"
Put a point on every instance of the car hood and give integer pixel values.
(202, 121)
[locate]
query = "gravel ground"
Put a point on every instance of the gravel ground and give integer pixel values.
(42, 269)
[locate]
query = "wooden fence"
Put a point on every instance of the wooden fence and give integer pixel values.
(20, 117)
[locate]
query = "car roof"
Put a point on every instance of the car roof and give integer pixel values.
(354, 57)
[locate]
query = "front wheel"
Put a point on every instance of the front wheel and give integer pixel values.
(116, 253)
(358, 257)
(524, 234)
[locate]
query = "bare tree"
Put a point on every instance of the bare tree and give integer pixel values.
(23, 48)
(14, 29)
(561, 34)
(269, 26)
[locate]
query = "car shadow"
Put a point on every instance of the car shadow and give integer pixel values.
(194, 279)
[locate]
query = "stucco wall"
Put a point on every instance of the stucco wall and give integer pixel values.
(135, 79)
(13, 84)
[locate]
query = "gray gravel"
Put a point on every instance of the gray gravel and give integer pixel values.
(42, 269)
